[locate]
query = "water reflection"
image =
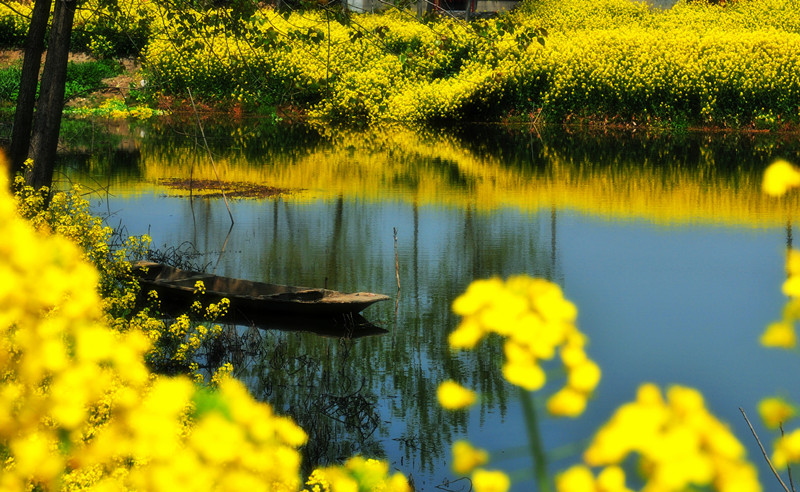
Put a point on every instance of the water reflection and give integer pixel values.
(666, 245)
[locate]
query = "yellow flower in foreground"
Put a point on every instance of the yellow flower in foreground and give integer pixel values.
(775, 411)
(793, 262)
(567, 402)
(680, 444)
(453, 396)
(779, 177)
(579, 478)
(791, 287)
(536, 322)
(466, 457)
(490, 481)
(787, 449)
(358, 473)
(779, 334)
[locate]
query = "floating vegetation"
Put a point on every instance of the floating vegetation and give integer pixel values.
(215, 189)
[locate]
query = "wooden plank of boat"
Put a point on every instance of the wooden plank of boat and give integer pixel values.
(177, 286)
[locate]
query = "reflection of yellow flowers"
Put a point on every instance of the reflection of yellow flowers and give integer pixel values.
(775, 411)
(779, 177)
(453, 396)
(537, 322)
(466, 457)
(680, 443)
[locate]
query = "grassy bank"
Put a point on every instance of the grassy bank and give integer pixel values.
(607, 62)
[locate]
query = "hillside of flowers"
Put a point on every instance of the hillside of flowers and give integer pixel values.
(609, 61)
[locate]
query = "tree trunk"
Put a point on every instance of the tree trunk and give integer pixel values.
(26, 100)
(47, 121)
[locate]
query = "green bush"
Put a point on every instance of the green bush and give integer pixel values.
(88, 76)
(81, 78)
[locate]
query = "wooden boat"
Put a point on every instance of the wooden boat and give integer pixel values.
(249, 300)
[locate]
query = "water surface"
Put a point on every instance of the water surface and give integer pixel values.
(672, 255)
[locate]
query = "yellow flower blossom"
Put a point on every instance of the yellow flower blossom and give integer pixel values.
(787, 449)
(490, 481)
(536, 322)
(466, 458)
(775, 411)
(780, 334)
(453, 396)
(567, 402)
(680, 443)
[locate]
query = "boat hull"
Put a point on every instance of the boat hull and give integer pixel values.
(249, 299)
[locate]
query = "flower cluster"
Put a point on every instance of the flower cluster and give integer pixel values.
(79, 407)
(114, 109)
(613, 57)
(356, 474)
(680, 445)
(536, 322)
(693, 62)
(779, 178)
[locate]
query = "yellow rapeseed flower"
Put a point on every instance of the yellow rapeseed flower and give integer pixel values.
(453, 396)
(466, 458)
(775, 411)
(567, 402)
(779, 334)
(490, 481)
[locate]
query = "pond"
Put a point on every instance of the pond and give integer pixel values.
(666, 245)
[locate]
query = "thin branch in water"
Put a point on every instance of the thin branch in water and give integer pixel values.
(210, 156)
(763, 451)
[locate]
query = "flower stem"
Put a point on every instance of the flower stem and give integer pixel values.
(535, 441)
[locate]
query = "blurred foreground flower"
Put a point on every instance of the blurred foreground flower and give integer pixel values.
(357, 474)
(80, 410)
(775, 411)
(679, 442)
(536, 322)
(466, 458)
(453, 396)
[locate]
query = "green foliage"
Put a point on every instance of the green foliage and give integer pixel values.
(82, 78)
(9, 83)
(86, 77)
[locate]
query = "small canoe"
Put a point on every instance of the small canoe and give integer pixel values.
(249, 299)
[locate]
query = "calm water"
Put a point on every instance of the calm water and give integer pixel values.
(671, 254)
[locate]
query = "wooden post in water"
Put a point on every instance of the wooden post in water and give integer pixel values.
(396, 261)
